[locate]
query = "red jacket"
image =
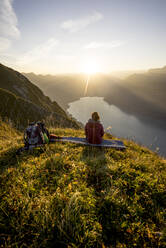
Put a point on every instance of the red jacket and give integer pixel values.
(94, 132)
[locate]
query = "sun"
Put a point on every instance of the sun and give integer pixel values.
(90, 66)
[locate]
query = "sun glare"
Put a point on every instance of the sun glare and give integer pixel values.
(90, 67)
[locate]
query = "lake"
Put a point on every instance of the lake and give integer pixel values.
(119, 123)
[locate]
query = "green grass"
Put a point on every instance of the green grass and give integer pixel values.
(67, 195)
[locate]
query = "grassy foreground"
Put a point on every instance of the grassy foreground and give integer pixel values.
(68, 195)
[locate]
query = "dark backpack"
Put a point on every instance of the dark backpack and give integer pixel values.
(33, 135)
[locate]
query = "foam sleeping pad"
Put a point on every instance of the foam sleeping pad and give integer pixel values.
(105, 143)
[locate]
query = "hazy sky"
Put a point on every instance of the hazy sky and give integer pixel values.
(57, 36)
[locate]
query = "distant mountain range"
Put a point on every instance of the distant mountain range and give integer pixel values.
(22, 102)
(142, 94)
(125, 74)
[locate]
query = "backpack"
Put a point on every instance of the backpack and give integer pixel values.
(45, 132)
(33, 135)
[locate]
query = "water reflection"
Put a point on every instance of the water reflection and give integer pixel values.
(122, 124)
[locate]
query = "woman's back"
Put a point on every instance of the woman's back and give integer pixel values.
(94, 131)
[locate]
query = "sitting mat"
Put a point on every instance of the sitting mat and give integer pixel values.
(105, 143)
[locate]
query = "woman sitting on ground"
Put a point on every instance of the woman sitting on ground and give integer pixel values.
(94, 130)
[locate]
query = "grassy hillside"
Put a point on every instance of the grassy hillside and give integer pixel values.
(67, 195)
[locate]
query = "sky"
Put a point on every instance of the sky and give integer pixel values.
(73, 36)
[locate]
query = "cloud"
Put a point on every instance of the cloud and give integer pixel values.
(95, 45)
(4, 44)
(40, 52)
(78, 24)
(8, 25)
(8, 20)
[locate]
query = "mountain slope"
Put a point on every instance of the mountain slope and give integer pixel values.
(67, 195)
(19, 110)
(27, 101)
(19, 85)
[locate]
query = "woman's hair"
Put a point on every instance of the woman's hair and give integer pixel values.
(95, 116)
